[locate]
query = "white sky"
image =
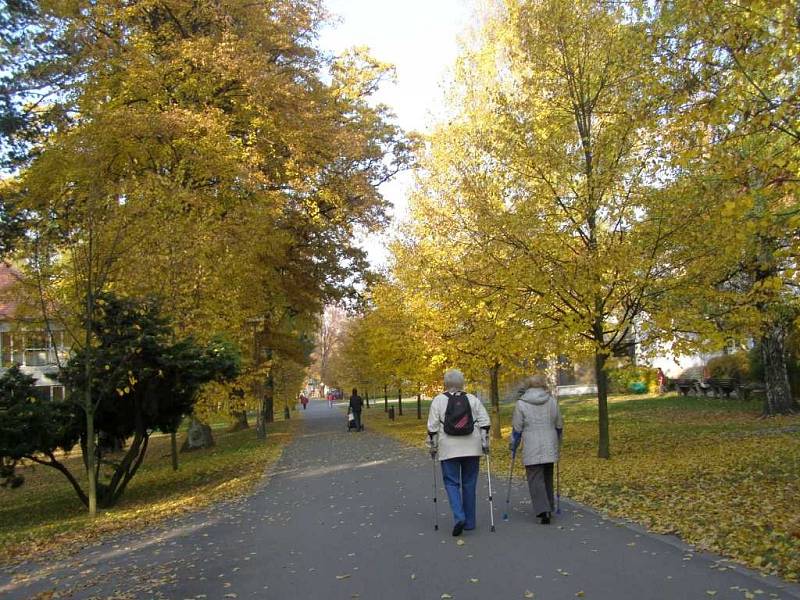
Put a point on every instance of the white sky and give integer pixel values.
(419, 37)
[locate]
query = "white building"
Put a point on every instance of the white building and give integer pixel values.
(35, 348)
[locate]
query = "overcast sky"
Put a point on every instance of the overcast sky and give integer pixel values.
(419, 37)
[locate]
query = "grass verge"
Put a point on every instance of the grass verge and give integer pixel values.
(708, 470)
(44, 517)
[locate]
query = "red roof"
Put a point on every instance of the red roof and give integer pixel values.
(8, 303)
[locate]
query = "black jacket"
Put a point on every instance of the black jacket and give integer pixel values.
(356, 403)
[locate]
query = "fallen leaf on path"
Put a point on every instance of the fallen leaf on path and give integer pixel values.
(528, 594)
(343, 576)
(473, 580)
(445, 596)
(460, 543)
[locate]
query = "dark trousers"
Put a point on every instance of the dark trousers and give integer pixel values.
(357, 417)
(540, 485)
(460, 480)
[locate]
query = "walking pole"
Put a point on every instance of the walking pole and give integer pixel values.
(558, 469)
(435, 505)
(558, 487)
(508, 492)
(491, 501)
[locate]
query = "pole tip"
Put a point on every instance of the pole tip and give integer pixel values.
(436, 528)
(492, 528)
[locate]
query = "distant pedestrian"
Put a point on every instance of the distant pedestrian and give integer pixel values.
(661, 380)
(458, 433)
(330, 399)
(355, 406)
(304, 400)
(538, 425)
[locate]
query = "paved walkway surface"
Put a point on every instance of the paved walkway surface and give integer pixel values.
(349, 515)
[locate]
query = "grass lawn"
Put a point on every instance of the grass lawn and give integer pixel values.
(45, 515)
(708, 470)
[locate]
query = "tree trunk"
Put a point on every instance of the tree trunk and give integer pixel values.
(240, 422)
(778, 397)
(494, 393)
(603, 447)
(385, 398)
(400, 401)
(419, 404)
(91, 457)
(126, 469)
(173, 439)
(366, 397)
(269, 397)
(266, 411)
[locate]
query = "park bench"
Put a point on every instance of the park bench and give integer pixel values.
(744, 390)
(704, 388)
(723, 386)
(684, 386)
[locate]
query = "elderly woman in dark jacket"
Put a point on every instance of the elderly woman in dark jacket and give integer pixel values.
(537, 424)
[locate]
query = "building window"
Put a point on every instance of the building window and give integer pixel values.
(35, 348)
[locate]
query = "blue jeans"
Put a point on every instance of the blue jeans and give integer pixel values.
(460, 479)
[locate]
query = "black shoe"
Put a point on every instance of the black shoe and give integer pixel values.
(459, 527)
(544, 518)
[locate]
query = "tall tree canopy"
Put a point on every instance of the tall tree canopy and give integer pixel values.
(203, 152)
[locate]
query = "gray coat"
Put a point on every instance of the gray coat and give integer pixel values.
(537, 417)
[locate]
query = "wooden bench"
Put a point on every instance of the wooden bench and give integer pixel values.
(723, 386)
(744, 391)
(684, 386)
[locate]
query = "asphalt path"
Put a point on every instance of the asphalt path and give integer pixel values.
(350, 515)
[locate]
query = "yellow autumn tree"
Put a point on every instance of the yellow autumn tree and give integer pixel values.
(550, 170)
(203, 152)
(735, 140)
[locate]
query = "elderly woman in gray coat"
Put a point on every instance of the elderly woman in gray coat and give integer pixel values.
(538, 425)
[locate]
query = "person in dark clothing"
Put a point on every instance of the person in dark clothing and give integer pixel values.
(356, 404)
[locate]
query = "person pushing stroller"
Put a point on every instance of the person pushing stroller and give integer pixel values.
(354, 408)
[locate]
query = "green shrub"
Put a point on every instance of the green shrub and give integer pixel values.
(631, 379)
(730, 366)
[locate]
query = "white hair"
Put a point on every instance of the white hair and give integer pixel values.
(536, 381)
(454, 380)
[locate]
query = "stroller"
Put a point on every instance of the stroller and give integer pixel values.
(351, 422)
